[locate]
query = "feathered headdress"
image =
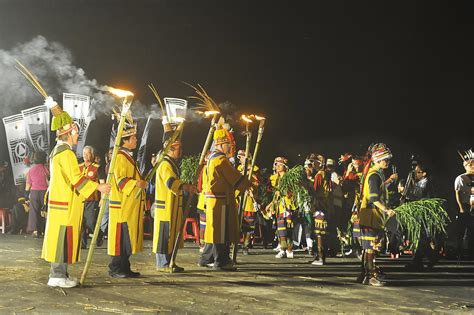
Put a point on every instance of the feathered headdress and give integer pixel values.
(467, 157)
(130, 127)
(62, 123)
(223, 133)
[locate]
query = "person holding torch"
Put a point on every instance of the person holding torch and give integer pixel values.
(125, 209)
(220, 181)
(67, 191)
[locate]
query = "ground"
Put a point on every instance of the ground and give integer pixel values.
(262, 285)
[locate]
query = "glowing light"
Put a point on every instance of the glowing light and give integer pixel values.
(258, 117)
(246, 119)
(118, 92)
(210, 112)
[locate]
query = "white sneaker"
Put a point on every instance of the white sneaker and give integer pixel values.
(281, 254)
(277, 249)
(289, 254)
(62, 282)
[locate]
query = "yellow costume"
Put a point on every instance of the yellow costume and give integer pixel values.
(370, 215)
(168, 207)
(125, 211)
(221, 180)
(67, 192)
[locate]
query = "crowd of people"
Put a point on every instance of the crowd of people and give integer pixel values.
(338, 207)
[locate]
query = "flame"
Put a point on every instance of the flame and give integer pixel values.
(210, 112)
(258, 117)
(119, 93)
(246, 119)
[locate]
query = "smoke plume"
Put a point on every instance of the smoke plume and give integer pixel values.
(52, 64)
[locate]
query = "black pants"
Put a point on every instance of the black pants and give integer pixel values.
(465, 232)
(88, 220)
(424, 250)
(215, 253)
(121, 263)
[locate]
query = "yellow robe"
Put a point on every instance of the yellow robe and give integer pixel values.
(168, 207)
(286, 203)
(249, 204)
(125, 211)
(220, 180)
(67, 191)
(370, 215)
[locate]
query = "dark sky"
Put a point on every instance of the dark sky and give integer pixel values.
(331, 76)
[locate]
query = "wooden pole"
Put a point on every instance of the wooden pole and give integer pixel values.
(127, 102)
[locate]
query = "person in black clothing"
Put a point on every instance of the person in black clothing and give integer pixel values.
(19, 216)
(422, 189)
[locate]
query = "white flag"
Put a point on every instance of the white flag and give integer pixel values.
(79, 107)
(37, 126)
(18, 146)
(142, 149)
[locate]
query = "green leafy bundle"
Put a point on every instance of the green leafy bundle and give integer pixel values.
(189, 168)
(422, 216)
(291, 183)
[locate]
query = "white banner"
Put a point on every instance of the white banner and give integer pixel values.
(142, 149)
(79, 107)
(18, 146)
(37, 127)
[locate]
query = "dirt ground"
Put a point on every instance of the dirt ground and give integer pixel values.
(262, 285)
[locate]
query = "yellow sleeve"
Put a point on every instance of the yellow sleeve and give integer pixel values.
(231, 175)
(124, 183)
(169, 177)
(70, 169)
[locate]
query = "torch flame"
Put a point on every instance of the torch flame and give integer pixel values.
(119, 93)
(258, 117)
(210, 112)
(246, 119)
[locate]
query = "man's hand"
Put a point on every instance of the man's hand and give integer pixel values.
(393, 177)
(390, 212)
(191, 189)
(104, 188)
(141, 184)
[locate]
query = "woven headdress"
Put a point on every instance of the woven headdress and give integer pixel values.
(223, 133)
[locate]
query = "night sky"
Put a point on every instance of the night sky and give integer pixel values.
(330, 76)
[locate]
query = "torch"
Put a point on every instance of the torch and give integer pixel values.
(126, 103)
(243, 199)
(208, 107)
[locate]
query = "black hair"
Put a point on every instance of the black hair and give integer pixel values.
(39, 157)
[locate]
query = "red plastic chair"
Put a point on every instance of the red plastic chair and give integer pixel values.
(4, 214)
(195, 229)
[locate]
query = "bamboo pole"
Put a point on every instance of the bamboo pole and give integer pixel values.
(162, 153)
(189, 202)
(127, 102)
(244, 201)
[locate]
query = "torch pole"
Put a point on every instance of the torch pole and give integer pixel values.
(127, 102)
(189, 202)
(254, 158)
(242, 199)
(161, 154)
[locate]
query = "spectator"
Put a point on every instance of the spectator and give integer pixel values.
(37, 181)
(19, 216)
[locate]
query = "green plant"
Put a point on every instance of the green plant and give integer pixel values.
(189, 167)
(422, 216)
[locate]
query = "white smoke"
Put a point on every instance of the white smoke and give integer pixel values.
(52, 64)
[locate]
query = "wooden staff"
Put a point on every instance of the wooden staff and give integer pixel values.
(190, 201)
(254, 158)
(242, 199)
(127, 102)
